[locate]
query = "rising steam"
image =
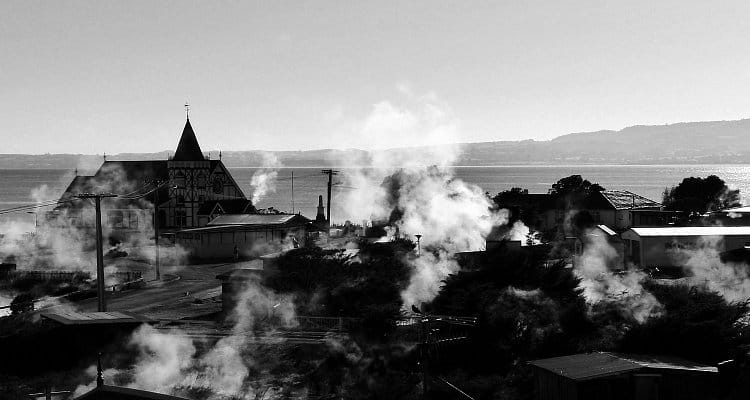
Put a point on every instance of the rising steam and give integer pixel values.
(263, 181)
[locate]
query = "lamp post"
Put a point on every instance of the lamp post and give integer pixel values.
(36, 220)
(419, 248)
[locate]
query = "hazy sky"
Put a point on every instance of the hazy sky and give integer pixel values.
(102, 76)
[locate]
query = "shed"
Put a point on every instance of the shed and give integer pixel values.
(250, 234)
(623, 376)
(668, 247)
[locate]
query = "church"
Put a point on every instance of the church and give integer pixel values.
(189, 189)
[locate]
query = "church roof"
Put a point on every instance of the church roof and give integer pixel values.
(188, 148)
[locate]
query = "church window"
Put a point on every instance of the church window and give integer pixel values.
(218, 186)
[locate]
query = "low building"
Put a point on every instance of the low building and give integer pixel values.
(669, 247)
(623, 376)
(738, 216)
(231, 236)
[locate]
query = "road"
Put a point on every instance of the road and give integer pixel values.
(185, 291)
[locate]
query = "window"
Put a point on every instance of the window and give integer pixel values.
(133, 220)
(180, 218)
(115, 219)
(180, 200)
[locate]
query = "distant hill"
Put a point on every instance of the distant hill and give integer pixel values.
(712, 142)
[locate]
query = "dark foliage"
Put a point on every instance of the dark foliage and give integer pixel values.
(696, 325)
(574, 188)
(699, 195)
(330, 283)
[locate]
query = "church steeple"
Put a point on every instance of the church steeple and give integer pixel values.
(188, 148)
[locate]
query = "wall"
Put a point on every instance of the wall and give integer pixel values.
(219, 245)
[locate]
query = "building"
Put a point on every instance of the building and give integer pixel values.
(617, 209)
(670, 246)
(192, 189)
(623, 376)
(244, 235)
(738, 216)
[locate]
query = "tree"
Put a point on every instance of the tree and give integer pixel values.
(700, 195)
(575, 186)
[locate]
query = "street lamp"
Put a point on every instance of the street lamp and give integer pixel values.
(419, 249)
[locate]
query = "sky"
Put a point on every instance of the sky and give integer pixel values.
(104, 76)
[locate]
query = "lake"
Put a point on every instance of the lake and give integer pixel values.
(16, 186)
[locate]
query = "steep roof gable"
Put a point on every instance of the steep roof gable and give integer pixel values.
(188, 148)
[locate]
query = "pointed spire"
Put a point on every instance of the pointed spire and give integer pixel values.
(188, 148)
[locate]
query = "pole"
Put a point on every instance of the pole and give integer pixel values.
(156, 230)
(99, 255)
(292, 191)
(425, 356)
(99, 251)
(330, 174)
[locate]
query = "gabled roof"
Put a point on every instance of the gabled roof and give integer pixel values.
(232, 206)
(592, 365)
(188, 148)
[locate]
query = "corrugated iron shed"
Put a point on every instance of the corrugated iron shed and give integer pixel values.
(254, 219)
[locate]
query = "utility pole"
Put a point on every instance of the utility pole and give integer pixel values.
(99, 251)
(330, 173)
(292, 191)
(157, 183)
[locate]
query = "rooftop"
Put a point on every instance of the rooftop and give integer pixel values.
(253, 219)
(593, 365)
(693, 231)
(69, 317)
(624, 200)
(120, 393)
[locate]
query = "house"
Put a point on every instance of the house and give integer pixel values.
(623, 376)
(250, 234)
(187, 189)
(600, 235)
(617, 209)
(670, 246)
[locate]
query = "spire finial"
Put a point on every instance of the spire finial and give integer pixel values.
(187, 110)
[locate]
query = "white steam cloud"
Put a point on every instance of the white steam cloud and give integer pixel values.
(419, 184)
(594, 268)
(263, 181)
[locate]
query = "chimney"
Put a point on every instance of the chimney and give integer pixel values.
(321, 215)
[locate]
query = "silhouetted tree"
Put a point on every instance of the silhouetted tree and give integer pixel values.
(699, 195)
(574, 186)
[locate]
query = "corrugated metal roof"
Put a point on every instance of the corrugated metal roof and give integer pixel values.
(586, 366)
(593, 365)
(693, 231)
(666, 362)
(69, 317)
(623, 199)
(251, 219)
